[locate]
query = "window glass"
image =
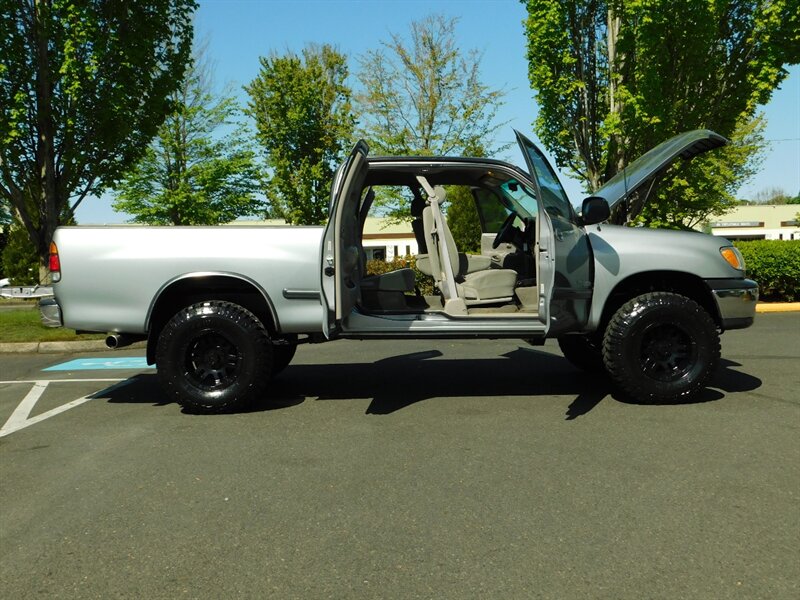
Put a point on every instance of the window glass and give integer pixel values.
(554, 199)
(521, 197)
(491, 210)
(494, 205)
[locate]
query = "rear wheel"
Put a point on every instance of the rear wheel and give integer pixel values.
(214, 357)
(661, 347)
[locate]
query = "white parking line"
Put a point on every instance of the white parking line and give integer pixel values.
(20, 414)
(61, 380)
(19, 418)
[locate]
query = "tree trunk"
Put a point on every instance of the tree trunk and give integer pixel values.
(45, 159)
(615, 157)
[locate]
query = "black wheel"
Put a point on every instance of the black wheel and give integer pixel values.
(282, 355)
(661, 347)
(214, 357)
(583, 351)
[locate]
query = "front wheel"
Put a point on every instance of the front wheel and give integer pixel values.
(661, 347)
(214, 357)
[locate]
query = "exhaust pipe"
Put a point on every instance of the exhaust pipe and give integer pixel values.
(120, 340)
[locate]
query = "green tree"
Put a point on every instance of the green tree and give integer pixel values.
(192, 173)
(772, 195)
(424, 96)
(613, 79)
(5, 212)
(463, 220)
(19, 257)
(84, 86)
(5, 222)
(301, 105)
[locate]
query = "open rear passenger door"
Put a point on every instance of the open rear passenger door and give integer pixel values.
(340, 260)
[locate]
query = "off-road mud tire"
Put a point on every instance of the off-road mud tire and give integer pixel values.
(661, 348)
(214, 357)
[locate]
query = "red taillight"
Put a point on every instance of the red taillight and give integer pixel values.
(55, 263)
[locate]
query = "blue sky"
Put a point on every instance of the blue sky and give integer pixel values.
(240, 31)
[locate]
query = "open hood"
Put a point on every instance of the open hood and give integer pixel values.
(684, 145)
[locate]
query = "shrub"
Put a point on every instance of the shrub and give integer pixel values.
(775, 265)
(379, 267)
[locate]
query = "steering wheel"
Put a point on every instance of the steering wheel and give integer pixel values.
(505, 230)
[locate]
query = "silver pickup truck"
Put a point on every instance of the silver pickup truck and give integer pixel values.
(223, 308)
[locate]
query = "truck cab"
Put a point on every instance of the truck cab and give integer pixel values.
(532, 276)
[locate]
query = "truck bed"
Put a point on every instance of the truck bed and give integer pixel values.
(111, 276)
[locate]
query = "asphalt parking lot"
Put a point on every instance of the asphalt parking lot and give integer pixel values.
(446, 469)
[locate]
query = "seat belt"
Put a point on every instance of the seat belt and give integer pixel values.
(450, 291)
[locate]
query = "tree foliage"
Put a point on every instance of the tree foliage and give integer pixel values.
(773, 195)
(5, 221)
(20, 262)
(424, 96)
(302, 108)
(84, 86)
(5, 212)
(193, 173)
(613, 79)
(463, 220)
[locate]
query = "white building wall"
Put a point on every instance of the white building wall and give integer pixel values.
(404, 247)
(759, 221)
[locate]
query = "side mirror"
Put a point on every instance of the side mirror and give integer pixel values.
(595, 210)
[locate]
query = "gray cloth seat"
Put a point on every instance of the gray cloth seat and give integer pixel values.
(401, 280)
(467, 263)
(475, 282)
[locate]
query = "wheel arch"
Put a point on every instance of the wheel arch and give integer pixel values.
(190, 288)
(677, 282)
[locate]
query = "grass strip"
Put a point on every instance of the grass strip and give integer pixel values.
(24, 325)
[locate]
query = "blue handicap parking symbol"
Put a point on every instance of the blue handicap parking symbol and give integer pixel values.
(99, 364)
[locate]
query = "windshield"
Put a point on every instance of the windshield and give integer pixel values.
(517, 197)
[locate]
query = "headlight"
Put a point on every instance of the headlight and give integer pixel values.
(733, 257)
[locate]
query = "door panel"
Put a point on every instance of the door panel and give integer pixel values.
(573, 263)
(340, 260)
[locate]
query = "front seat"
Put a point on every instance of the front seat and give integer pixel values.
(473, 285)
(468, 263)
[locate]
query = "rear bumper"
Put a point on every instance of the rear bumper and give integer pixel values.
(736, 301)
(50, 312)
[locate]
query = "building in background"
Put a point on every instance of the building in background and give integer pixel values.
(383, 241)
(759, 222)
